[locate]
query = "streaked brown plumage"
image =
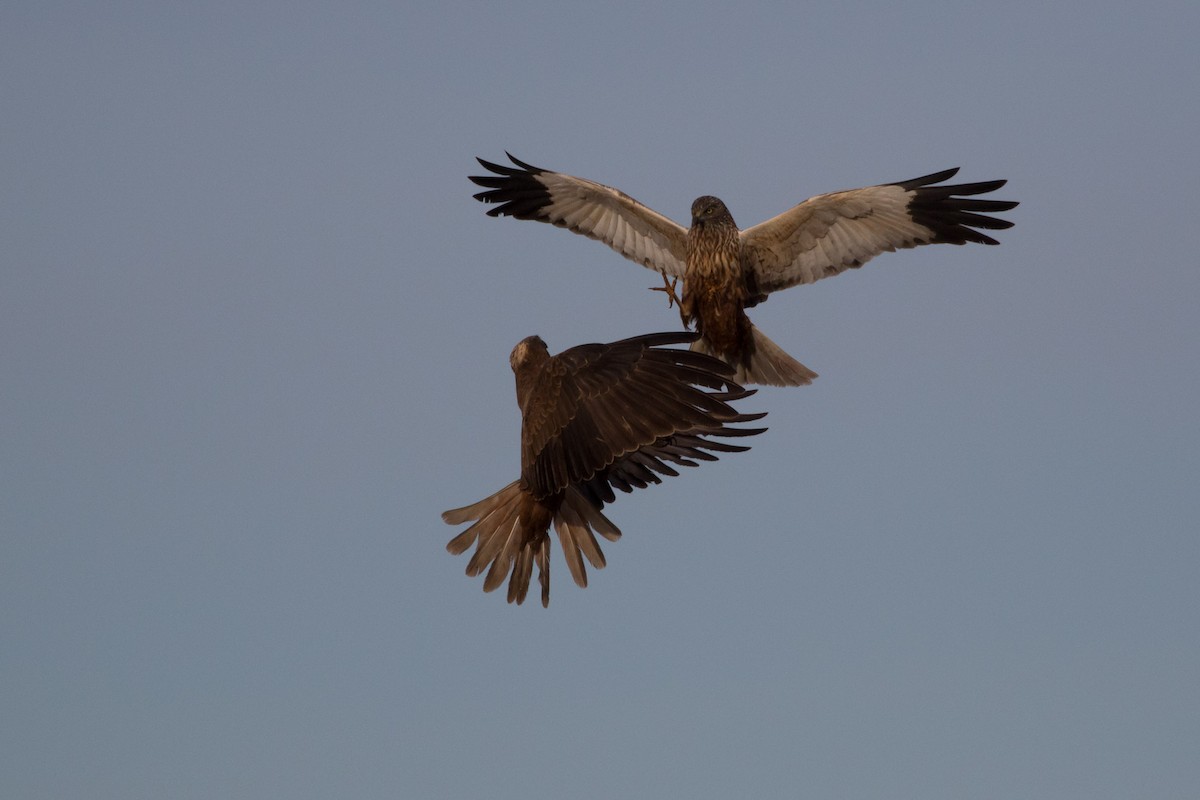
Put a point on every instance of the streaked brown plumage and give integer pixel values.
(594, 418)
(726, 270)
(715, 291)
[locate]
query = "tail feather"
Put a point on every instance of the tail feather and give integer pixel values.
(491, 512)
(518, 586)
(574, 522)
(593, 518)
(543, 565)
(510, 532)
(767, 363)
(571, 529)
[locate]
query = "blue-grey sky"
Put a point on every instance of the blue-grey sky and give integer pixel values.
(255, 338)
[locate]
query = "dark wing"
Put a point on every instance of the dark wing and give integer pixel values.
(830, 233)
(618, 413)
(597, 211)
(639, 469)
(596, 417)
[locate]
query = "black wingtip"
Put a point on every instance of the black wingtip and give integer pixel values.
(517, 191)
(926, 180)
(492, 166)
(523, 165)
(952, 212)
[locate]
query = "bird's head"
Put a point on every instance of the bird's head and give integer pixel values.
(527, 360)
(708, 209)
(529, 349)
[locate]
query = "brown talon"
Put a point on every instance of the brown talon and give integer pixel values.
(669, 288)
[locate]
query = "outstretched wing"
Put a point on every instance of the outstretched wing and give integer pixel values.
(616, 410)
(830, 233)
(597, 211)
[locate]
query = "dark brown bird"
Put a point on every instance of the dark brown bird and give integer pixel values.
(726, 270)
(594, 418)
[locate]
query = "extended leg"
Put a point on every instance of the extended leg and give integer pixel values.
(669, 288)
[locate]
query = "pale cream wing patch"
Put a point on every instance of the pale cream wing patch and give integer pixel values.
(830, 233)
(610, 216)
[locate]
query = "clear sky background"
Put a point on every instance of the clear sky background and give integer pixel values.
(255, 338)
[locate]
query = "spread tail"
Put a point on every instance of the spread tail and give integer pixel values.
(766, 363)
(511, 533)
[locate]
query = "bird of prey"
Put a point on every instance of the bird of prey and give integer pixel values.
(594, 418)
(726, 270)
